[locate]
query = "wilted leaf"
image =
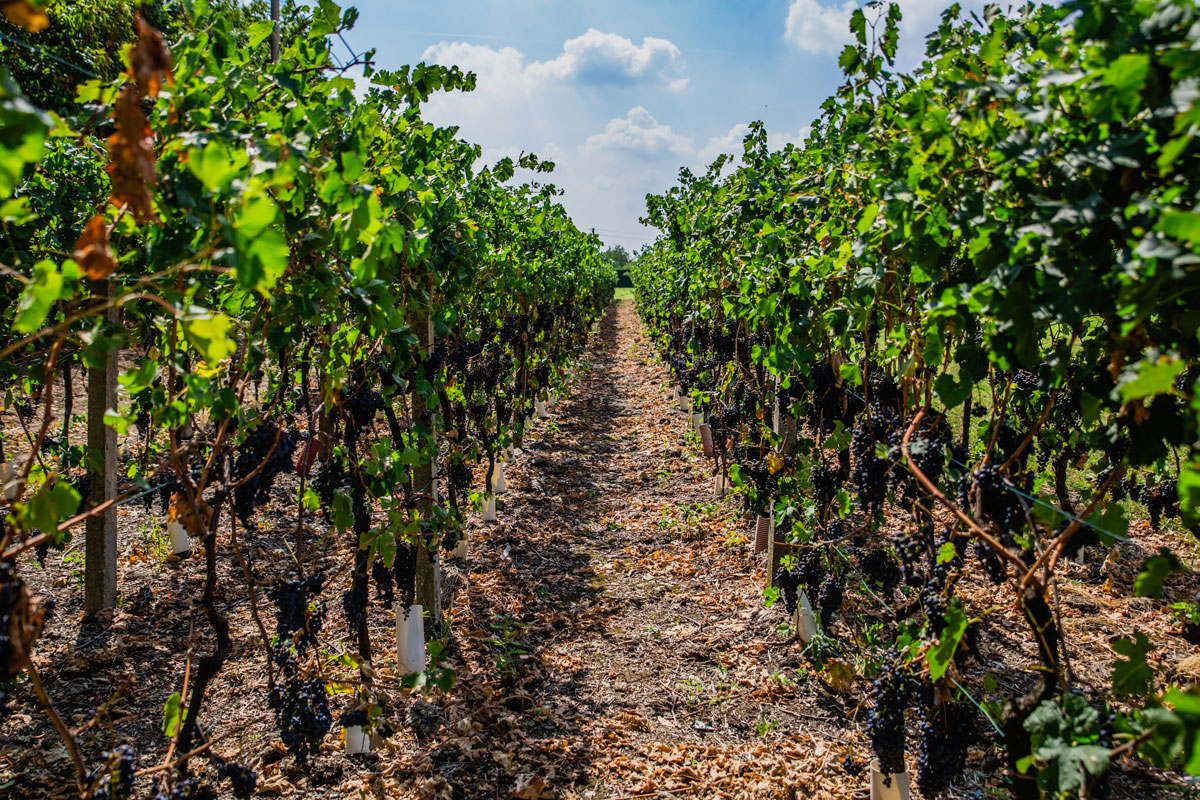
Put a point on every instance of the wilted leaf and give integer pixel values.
(149, 60)
(92, 252)
(531, 787)
(23, 14)
(131, 157)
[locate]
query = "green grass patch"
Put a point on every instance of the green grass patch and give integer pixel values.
(623, 293)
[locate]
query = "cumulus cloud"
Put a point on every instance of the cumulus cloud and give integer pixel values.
(638, 131)
(822, 27)
(593, 58)
(817, 28)
(731, 142)
(598, 57)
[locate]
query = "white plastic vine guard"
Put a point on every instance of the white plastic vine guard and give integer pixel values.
(410, 639)
(898, 789)
(720, 486)
(804, 619)
(460, 547)
(706, 440)
(540, 408)
(489, 508)
(358, 742)
(674, 394)
(8, 479)
(496, 479)
(685, 404)
(180, 544)
(697, 421)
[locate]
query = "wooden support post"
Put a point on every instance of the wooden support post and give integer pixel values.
(428, 572)
(774, 553)
(100, 531)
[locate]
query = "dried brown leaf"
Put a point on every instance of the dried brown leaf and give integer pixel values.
(23, 14)
(150, 60)
(131, 157)
(92, 252)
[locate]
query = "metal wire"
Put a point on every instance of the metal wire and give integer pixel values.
(1030, 498)
(50, 55)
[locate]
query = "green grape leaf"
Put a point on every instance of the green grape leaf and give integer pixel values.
(259, 32)
(1155, 570)
(1150, 378)
(941, 656)
(174, 715)
(46, 288)
(1132, 676)
(208, 333)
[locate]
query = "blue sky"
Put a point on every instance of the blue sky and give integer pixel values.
(622, 93)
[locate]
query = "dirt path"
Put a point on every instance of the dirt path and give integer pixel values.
(612, 640)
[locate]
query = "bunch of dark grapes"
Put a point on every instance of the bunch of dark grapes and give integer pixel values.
(354, 718)
(25, 409)
(1162, 500)
(853, 768)
(997, 501)
(242, 780)
(883, 389)
(13, 599)
(301, 709)
(354, 603)
(911, 553)
(459, 474)
(265, 454)
(945, 734)
(330, 481)
(829, 600)
(1025, 380)
(810, 570)
(182, 790)
(1007, 441)
(890, 695)
(114, 780)
(929, 455)
(993, 565)
(385, 582)
(296, 608)
(165, 492)
(869, 473)
(935, 609)
(879, 567)
(825, 483)
(789, 585)
(362, 406)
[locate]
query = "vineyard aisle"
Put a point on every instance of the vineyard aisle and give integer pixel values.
(611, 638)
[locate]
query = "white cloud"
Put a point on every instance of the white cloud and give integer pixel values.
(817, 28)
(638, 131)
(598, 57)
(731, 142)
(593, 58)
(823, 28)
